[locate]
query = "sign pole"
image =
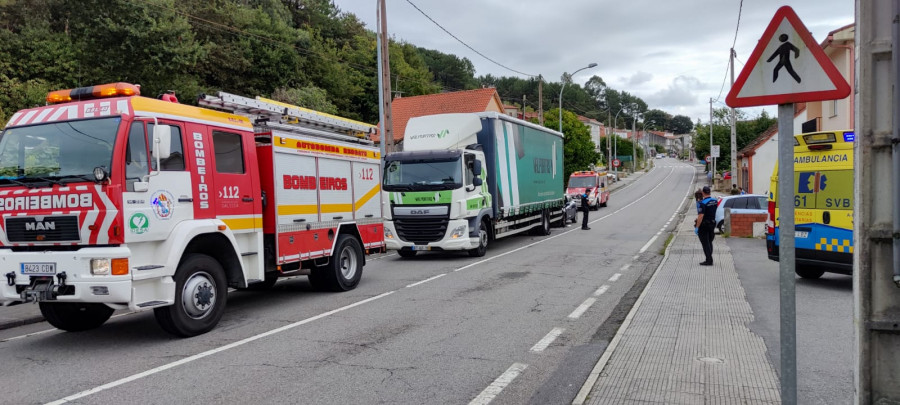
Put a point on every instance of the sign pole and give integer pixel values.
(786, 264)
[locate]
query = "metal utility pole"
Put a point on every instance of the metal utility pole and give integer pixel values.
(634, 143)
(381, 125)
(608, 137)
(384, 65)
(734, 168)
(876, 258)
(711, 163)
(541, 99)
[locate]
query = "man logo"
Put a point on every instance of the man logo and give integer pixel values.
(40, 226)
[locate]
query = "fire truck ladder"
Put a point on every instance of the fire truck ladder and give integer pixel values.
(290, 118)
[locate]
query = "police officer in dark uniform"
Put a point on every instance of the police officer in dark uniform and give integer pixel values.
(586, 207)
(705, 224)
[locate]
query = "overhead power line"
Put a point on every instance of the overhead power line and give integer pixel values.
(467, 45)
(733, 43)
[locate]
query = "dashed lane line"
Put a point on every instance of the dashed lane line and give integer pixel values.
(499, 384)
(544, 343)
(582, 308)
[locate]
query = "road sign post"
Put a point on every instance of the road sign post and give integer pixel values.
(783, 73)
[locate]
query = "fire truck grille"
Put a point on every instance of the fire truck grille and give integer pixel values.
(421, 229)
(48, 229)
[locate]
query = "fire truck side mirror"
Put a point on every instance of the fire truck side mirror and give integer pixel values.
(162, 142)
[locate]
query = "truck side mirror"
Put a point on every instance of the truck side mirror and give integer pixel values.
(162, 142)
(477, 168)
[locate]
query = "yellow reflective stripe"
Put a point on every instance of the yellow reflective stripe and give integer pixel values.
(332, 208)
(144, 104)
(368, 196)
(243, 223)
(298, 209)
(313, 209)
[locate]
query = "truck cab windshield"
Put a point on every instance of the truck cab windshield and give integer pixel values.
(423, 175)
(56, 152)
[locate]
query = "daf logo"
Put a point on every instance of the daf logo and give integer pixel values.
(40, 226)
(420, 212)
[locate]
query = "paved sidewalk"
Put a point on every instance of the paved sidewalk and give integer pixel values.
(687, 340)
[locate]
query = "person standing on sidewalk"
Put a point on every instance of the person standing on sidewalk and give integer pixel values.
(586, 207)
(705, 225)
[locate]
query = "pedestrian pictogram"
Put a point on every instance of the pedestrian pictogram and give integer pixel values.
(787, 66)
(784, 58)
(617, 162)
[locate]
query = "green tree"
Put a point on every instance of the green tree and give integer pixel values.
(680, 124)
(578, 149)
(657, 120)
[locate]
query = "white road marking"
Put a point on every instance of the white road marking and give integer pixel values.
(637, 256)
(615, 277)
(426, 280)
(547, 340)
(210, 352)
(650, 242)
(582, 308)
(625, 267)
(601, 290)
(499, 384)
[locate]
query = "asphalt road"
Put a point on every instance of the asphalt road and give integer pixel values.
(824, 323)
(525, 324)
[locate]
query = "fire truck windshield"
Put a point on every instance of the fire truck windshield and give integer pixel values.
(582, 181)
(56, 152)
(422, 175)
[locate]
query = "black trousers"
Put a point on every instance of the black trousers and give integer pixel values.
(584, 218)
(707, 232)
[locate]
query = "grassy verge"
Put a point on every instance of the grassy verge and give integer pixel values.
(666, 244)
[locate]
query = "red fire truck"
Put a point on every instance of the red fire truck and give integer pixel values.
(110, 200)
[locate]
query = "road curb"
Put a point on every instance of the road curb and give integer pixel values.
(588, 385)
(15, 323)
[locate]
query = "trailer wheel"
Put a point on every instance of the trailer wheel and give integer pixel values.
(200, 295)
(544, 229)
(76, 316)
(406, 253)
(809, 272)
(344, 270)
(483, 239)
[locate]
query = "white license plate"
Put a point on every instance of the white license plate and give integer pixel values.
(801, 234)
(38, 268)
(421, 247)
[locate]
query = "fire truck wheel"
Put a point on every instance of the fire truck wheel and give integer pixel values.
(808, 272)
(75, 317)
(603, 204)
(483, 238)
(406, 253)
(200, 295)
(344, 270)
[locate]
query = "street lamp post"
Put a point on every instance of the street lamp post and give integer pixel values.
(561, 88)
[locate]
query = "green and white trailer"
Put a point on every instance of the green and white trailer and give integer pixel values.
(464, 180)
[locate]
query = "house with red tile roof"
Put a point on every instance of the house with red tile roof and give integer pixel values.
(467, 101)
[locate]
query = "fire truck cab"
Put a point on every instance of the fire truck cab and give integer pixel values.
(110, 200)
(582, 180)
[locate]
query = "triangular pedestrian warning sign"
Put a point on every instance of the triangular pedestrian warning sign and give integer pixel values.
(787, 66)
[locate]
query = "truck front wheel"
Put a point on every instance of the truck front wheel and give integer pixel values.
(75, 317)
(483, 239)
(544, 228)
(200, 295)
(344, 270)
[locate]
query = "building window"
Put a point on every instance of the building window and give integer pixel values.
(834, 108)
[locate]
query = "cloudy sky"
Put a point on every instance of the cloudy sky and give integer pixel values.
(671, 53)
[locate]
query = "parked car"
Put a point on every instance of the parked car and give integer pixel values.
(726, 175)
(660, 156)
(746, 204)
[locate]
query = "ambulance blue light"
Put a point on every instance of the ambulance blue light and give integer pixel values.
(849, 136)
